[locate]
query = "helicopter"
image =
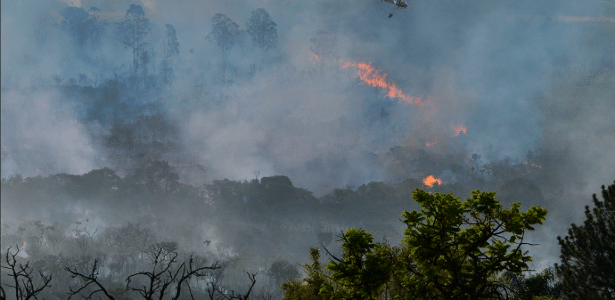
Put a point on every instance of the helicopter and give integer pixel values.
(399, 4)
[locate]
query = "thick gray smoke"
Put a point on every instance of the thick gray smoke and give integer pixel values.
(40, 137)
(519, 75)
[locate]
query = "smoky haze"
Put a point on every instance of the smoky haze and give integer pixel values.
(532, 83)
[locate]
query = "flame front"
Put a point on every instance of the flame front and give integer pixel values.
(460, 129)
(369, 75)
(429, 181)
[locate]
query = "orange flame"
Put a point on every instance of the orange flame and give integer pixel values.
(431, 143)
(429, 181)
(531, 164)
(369, 75)
(314, 57)
(460, 129)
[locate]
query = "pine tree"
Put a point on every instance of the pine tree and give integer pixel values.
(588, 252)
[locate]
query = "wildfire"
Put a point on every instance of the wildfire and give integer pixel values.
(429, 181)
(460, 129)
(431, 143)
(148, 4)
(369, 75)
(314, 57)
(531, 164)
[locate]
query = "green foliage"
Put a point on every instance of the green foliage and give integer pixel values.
(588, 252)
(365, 204)
(458, 246)
(364, 269)
(542, 285)
(451, 249)
(310, 287)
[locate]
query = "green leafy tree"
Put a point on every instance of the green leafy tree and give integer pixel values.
(451, 249)
(308, 288)
(588, 252)
(363, 270)
(457, 248)
(542, 285)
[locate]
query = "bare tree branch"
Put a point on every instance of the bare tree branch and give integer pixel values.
(23, 280)
(91, 278)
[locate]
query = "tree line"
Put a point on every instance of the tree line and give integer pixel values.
(472, 249)
(451, 249)
(89, 30)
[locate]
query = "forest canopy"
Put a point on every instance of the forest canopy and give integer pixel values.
(451, 249)
(209, 149)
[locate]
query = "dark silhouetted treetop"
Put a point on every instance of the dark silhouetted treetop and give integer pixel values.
(132, 33)
(82, 25)
(281, 270)
(171, 50)
(155, 176)
(224, 32)
(75, 21)
(171, 45)
(135, 10)
(262, 29)
(542, 285)
(588, 252)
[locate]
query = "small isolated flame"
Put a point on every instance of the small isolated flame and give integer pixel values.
(148, 4)
(429, 181)
(314, 57)
(431, 143)
(369, 75)
(460, 129)
(531, 164)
